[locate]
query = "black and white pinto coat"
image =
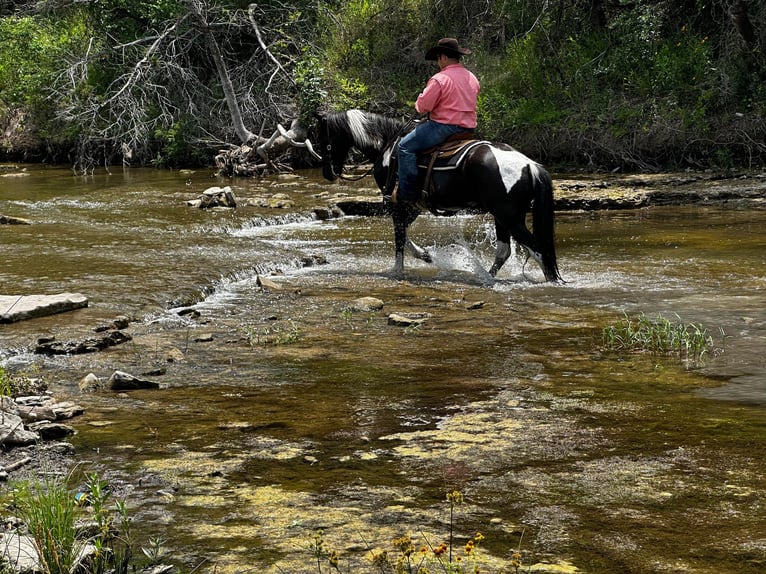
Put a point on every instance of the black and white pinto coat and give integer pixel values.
(491, 178)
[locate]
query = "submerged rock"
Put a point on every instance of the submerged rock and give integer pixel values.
(88, 345)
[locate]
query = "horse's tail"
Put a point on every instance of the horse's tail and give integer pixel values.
(543, 222)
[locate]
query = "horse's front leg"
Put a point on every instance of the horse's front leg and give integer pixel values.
(400, 239)
(403, 218)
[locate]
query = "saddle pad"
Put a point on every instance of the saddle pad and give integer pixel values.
(452, 158)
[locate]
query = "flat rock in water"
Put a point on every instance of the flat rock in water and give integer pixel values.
(408, 319)
(21, 307)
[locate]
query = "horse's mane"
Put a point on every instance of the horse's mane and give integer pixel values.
(367, 130)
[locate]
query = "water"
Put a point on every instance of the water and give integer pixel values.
(301, 414)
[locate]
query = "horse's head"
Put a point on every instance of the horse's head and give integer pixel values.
(334, 144)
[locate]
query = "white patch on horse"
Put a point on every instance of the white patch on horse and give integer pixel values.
(511, 164)
(388, 155)
(357, 123)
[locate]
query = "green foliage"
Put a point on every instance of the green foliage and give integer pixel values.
(31, 51)
(175, 146)
(309, 79)
(15, 385)
(635, 84)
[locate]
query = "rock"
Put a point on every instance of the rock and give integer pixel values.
(188, 311)
(8, 405)
(66, 410)
(364, 206)
(325, 213)
(19, 552)
(204, 338)
(215, 197)
(315, 259)
(21, 307)
(121, 381)
(268, 284)
(408, 320)
(7, 220)
(280, 201)
(120, 322)
(13, 433)
(366, 304)
(33, 400)
(50, 430)
(90, 383)
(89, 345)
(36, 414)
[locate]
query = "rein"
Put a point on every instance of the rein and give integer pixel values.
(345, 177)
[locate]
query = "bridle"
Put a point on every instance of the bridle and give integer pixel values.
(328, 149)
(341, 175)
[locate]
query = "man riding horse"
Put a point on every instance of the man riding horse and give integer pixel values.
(450, 100)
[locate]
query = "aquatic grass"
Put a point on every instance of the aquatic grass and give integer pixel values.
(276, 335)
(658, 336)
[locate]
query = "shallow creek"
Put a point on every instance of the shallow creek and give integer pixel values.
(285, 411)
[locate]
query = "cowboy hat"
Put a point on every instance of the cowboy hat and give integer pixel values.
(447, 46)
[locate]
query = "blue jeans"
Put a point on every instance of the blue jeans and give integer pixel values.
(425, 135)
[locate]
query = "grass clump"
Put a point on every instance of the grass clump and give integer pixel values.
(74, 531)
(276, 335)
(658, 336)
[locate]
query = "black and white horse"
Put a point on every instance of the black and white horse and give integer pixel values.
(491, 178)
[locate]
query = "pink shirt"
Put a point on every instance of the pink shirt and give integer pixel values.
(450, 97)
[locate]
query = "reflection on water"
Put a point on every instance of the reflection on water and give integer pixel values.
(301, 414)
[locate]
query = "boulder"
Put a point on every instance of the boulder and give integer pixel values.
(215, 197)
(90, 383)
(121, 381)
(19, 552)
(13, 433)
(50, 430)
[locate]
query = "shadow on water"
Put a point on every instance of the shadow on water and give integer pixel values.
(287, 410)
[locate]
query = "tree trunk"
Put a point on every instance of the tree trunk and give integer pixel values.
(244, 134)
(742, 22)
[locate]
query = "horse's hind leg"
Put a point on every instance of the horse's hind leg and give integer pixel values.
(518, 230)
(502, 250)
(418, 251)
